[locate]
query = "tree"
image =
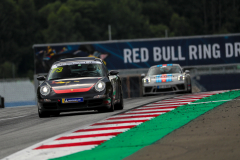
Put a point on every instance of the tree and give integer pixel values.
(125, 18)
(7, 70)
(8, 25)
(179, 26)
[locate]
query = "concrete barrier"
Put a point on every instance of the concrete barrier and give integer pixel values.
(17, 92)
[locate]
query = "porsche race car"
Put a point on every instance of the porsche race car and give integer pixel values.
(74, 84)
(166, 78)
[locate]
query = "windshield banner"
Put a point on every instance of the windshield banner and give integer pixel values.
(130, 54)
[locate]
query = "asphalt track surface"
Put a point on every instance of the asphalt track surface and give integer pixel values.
(20, 127)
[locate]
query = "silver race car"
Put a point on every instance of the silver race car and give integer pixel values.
(166, 78)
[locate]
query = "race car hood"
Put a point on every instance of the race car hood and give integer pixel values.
(164, 78)
(165, 75)
(73, 85)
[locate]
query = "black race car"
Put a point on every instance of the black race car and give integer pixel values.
(74, 84)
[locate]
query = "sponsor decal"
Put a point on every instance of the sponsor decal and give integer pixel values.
(72, 100)
(57, 69)
(74, 63)
(164, 65)
(164, 78)
(61, 82)
(164, 75)
(107, 101)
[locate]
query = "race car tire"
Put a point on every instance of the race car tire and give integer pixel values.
(42, 114)
(190, 90)
(120, 105)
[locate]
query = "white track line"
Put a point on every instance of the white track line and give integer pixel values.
(12, 118)
(210, 102)
(138, 114)
(149, 110)
(97, 132)
(116, 125)
(52, 153)
(78, 140)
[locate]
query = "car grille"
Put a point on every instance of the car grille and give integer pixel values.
(49, 106)
(181, 86)
(95, 102)
(148, 89)
(72, 105)
(164, 90)
(85, 104)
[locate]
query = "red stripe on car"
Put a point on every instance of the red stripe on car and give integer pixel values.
(72, 90)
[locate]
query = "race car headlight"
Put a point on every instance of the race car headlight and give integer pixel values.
(146, 80)
(100, 86)
(45, 90)
(181, 78)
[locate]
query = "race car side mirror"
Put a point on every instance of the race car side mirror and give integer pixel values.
(187, 71)
(113, 73)
(41, 78)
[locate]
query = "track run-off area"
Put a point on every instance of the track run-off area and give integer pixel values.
(92, 135)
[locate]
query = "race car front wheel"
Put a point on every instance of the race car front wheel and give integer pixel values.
(42, 114)
(189, 88)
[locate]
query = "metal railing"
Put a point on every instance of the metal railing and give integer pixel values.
(214, 69)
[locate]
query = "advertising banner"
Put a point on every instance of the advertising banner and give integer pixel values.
(129, 54)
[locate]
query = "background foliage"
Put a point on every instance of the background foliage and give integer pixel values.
(27, 22)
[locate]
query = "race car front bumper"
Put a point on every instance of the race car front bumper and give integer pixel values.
(149, 89)
(53, 105)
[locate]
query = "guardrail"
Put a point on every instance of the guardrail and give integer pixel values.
(214, 69)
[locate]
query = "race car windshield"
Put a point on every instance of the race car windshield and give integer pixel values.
(75, 70)
(164, 70)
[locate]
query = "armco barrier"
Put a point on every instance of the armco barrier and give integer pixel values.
(219, 81)
(132, 86)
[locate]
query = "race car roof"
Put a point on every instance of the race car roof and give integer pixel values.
(166, 65)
